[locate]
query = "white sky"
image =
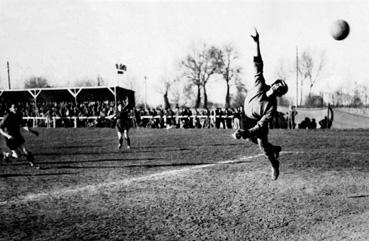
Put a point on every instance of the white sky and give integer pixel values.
(66, 41)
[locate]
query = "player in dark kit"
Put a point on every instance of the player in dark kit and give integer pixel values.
(259, 108)
(122, 124)
(10, 128)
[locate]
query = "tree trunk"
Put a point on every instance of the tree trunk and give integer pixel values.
(227, 99)
(198, 99)
(166, 101)
(205, 97)
(310, 89)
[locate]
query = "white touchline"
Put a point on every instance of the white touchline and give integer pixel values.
(95, 187)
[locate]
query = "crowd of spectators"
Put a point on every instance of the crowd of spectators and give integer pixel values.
(94, 114)
(88, 114)
(186, 117)
(65, 111)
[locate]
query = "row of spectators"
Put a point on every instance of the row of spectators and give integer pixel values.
(63, 109)
(95, 113)
(69, 114)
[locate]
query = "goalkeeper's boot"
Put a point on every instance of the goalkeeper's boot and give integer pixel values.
(31, 160)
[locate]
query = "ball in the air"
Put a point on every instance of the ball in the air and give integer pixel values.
(340, 29)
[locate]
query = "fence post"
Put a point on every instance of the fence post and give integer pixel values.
(75, 122)
(54, 122)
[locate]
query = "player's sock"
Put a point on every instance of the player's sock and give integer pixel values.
(128, 143)
(30, 159)
(120, 143)
(275, 170)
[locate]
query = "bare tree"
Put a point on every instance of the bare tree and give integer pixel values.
(284, 69)
(84, 83)
(166, 83)
(241, 91)
(228, 69)
(36, 82)
(199, 67)
(310, 67)
(100, 81)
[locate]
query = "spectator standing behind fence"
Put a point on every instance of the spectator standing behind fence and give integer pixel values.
(177, 114)
(237, 118)
(206, 120)
(228, 120)
(291, 117)
(134, 117)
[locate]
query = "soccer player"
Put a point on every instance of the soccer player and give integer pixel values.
(260, 106)
(122, 124)
(10, 128)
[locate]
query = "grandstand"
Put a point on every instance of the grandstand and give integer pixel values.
(39, 100)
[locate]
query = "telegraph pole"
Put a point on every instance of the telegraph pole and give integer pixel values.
(297, 76)
(7, 64)
(145, 91)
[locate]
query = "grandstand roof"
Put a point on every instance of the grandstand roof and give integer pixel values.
(90, 93)
(63, 88)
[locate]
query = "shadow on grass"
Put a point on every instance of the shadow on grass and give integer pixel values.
(359, 196)
(129, 166)
(79, 146)
(239, 162)
(175, 148)
(36, 174)
(73, 153)
(100, 160)
(135, 150)
(164, 149)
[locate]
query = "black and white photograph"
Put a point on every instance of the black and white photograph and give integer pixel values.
(184, 120)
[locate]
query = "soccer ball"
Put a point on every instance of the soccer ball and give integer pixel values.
(340, 29)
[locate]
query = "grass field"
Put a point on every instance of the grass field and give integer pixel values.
(187, 185)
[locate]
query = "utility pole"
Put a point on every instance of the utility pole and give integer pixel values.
(145, 91)
(7, 64)
(297, 77)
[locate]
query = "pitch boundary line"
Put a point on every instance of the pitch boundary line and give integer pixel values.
(124, 182)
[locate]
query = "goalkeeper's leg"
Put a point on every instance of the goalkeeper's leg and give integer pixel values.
(270, 152)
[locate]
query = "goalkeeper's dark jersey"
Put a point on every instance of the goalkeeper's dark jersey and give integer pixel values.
(123, 119)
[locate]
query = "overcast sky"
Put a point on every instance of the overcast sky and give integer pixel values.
(66, 41)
